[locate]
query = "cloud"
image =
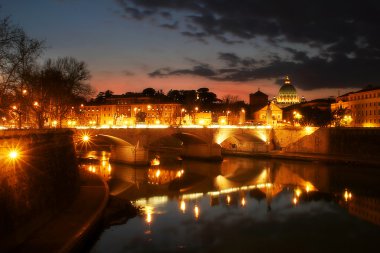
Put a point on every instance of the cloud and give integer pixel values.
(335, 25)
(173, 26)
(306, 72)
(321, 44)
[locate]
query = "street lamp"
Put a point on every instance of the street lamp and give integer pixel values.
(228, 121)
(182, 110)
(297, 117)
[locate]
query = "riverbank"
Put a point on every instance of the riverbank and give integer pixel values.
(67, 231)
(341, 159)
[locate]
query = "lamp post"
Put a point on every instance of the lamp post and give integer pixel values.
(228, 119)
(180, 119)
(297, 117)
(195, 114)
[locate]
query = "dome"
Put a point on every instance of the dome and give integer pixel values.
(287, 95)
(287, 89)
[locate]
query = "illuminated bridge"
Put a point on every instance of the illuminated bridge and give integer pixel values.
(131, 145)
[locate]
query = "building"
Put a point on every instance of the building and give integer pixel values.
(263, 111)
(203, 118)
(269, 114)
(360, 108)
(119, 110)
(287, 95)
(258, 99)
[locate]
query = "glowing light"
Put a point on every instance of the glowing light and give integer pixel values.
(228, 199)
(309, 130)
(85, 138)
(148, 213)
(243, 202)
(183, 206)
(347, 195)
(155, 162)
(179, 173)
(295, 200)
(158, 173)
(221, 136)
(196, 211)
(298, 192)
(192, 196)
(13, 154)
(157, 122)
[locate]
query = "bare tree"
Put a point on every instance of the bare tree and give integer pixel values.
(18, 54)
(66, 81)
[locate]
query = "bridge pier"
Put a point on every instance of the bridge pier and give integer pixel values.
(129, 155)
(204, 151)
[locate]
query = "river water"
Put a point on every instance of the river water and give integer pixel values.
(243, 205)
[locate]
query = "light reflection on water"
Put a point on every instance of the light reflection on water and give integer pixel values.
(243, 205)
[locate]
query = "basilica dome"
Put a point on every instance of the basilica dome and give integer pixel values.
(287, 94)
(287, 89)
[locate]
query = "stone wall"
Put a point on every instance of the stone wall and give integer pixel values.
(42, 180)
(358, 142)
(283, 137)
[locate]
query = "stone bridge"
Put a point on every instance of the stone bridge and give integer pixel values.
(131, 145)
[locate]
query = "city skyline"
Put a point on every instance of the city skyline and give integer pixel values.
(131, 45)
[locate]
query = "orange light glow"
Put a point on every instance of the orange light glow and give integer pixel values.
(155, 162)
(347, 195)
(196, 212)
(85, 138)
(298, 192)
(13, 154)
(243, 202)
(183, 206)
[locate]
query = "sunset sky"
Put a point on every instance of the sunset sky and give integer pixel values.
(231, 47)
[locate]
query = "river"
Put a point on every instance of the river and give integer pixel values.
(243, 205)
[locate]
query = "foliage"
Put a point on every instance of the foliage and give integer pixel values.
(140, 116)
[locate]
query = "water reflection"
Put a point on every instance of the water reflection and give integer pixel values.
(185, 201)
(97, 162)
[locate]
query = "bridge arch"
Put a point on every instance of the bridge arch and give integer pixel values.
(113, 140)
(176, 140)
(244, 142)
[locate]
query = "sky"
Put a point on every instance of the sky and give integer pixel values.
(232, 47)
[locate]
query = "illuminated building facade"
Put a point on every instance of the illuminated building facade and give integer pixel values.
(124, 111)
(263, 111)
(269, 116)
(287, 95)
(361, 108)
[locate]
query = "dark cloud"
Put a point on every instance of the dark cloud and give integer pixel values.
(170, 26)
(337, 23)
(320, 43)
(199, 70)
(232, 60)
(306, 72)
